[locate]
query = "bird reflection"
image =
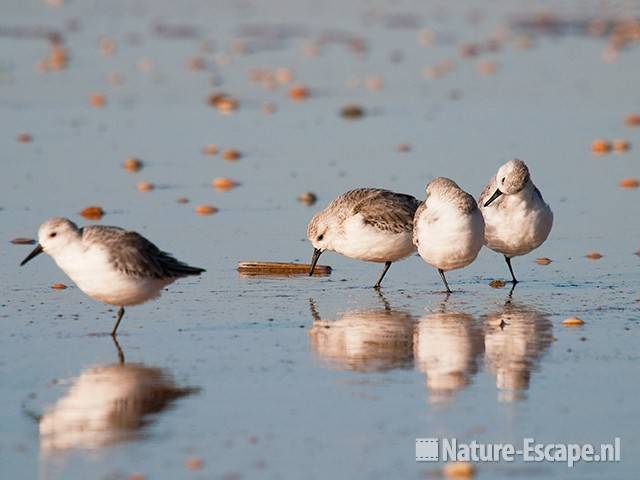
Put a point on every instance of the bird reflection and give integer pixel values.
(368, 340)
(107, 404)
(447, 347)
(515, 337)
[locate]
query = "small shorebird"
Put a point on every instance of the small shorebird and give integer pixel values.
(448, 228)
(517, 218)
(368, 224)
(109, 264)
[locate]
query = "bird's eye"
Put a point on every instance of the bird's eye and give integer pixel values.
(320, 237)
(52, 234)
(503, 179)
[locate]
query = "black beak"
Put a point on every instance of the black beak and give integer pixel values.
(34, 253)
(495, 195)
(314, 259)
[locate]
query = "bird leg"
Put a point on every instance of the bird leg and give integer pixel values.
(513, 277)
(384, 272)
(444, 279)
(118, 318)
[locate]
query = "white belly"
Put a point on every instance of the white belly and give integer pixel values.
(451, 242)
(94, 274)
(365, 242)
(514, 227)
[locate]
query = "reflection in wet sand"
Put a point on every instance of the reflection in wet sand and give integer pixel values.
(372, 340)
(107, 404)
(446, 347)
(515, 338)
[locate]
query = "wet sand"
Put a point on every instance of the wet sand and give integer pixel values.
(312, 377)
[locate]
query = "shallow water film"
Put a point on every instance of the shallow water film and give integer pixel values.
(217, 129)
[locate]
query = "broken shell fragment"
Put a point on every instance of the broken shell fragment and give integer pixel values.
(145, 186)
(600, 146)
(223, 183)
(543, 261)
(97, 100)
(299, 92)
(223, 102)
(621, 145)
(231, 155)
(205, 210)
(24, 137)
(132, 164)
(458, 470)
(632, 120)
(352, 112)
(210, 149)
(23, 241)
(572, 322)
(629, 182)
(307, 198)
(92, 213)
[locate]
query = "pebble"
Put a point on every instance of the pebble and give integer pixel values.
(59, 286)
(497, 283)
(593, 255)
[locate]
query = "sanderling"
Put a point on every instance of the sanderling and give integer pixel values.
(448, 227)
(368, 224)
(109, 264)
(517, 218)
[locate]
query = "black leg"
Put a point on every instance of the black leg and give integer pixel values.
(118, 318)
(384, 272)
(513, 277)
(444, 279)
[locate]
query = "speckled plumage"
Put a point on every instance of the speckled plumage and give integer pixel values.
(383, 209)
(134, 255)
(369, 224)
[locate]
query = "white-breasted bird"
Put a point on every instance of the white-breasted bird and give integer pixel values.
(448, 228)
(369, 224)
(109, 264)
(517, 219)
